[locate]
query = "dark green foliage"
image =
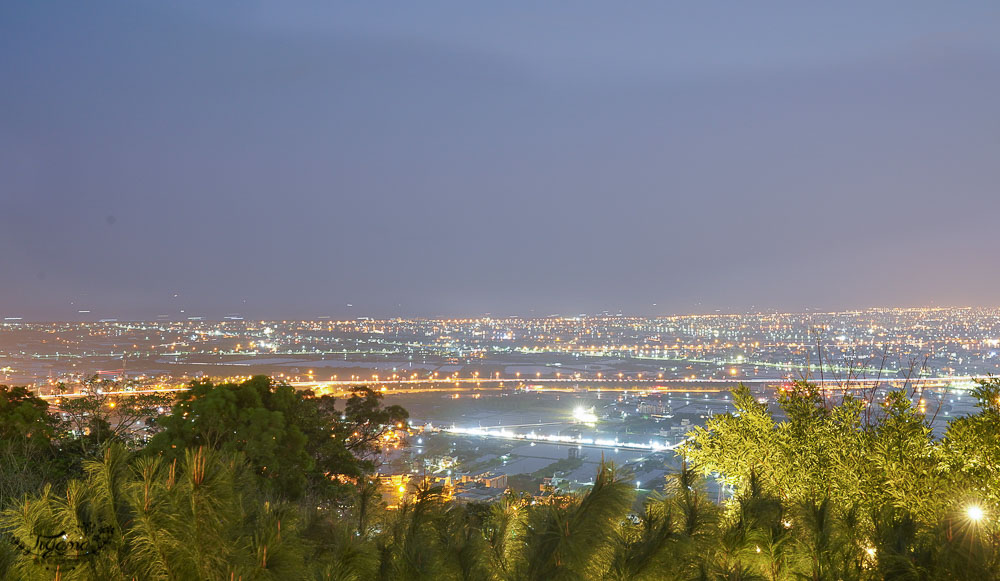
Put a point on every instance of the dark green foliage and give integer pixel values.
(23, 416)
(578, 541)
(98, 414)
(196, 517)
(293, 439)
(254, 417)
(28, 455)
(832, 492)
(865, 494)
(365, 421)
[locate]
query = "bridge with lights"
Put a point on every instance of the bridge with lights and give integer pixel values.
(459, 385)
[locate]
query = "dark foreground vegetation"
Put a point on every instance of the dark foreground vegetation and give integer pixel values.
(236, 484)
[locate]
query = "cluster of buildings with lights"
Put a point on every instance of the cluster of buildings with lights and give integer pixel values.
(483, 487)
(940, 342)
(655, 377)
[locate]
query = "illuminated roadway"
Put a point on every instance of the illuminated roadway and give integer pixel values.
(338, 387)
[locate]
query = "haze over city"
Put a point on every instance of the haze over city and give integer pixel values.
(517, 291)
(451, 159)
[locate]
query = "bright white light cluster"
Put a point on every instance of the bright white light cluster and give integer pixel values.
(535, 437)
(585, 415)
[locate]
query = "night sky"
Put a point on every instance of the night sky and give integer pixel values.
(287, 160)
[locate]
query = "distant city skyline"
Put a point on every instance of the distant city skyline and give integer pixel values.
(295, 160)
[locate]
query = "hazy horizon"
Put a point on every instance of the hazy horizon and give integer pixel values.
(185, 317)
(449, 159)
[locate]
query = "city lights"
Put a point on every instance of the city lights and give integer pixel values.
(510, 290)
(584, 415)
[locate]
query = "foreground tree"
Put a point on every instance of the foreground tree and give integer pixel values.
(822, 491)
(197, 517)
(294, 440)
(29, 456)
(105, 410)
(863, 492)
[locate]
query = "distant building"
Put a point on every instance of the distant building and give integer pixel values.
(654, 408)
(477, 493)
(491, 480)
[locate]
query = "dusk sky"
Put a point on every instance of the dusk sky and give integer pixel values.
(288, 159)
